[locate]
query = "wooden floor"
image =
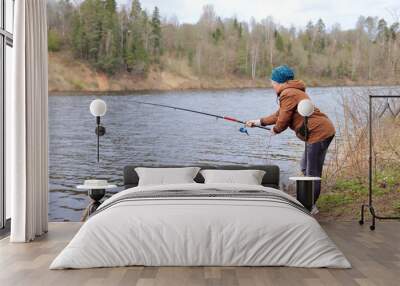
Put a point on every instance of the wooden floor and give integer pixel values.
(375, 257)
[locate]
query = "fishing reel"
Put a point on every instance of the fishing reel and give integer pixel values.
(243, 129)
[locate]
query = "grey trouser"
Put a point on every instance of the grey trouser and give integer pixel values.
(315, 162)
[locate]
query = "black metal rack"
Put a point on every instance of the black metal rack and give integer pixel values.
(370, 203)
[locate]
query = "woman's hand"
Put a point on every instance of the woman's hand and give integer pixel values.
(253, 123)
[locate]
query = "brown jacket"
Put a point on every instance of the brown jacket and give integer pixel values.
(291, 93)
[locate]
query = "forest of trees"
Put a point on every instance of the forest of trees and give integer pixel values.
(116, 39)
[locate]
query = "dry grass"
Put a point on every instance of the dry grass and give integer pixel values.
(69, 74)
(346, 173)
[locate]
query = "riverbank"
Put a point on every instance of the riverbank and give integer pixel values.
(345, 181)
(342, 197)
(66, 74)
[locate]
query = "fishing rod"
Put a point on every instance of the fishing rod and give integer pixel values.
(227, 118)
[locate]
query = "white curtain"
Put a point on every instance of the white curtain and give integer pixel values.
(26, 124)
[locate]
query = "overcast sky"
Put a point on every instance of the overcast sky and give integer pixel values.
(285, 12)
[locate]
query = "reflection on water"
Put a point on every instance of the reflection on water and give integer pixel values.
(138, 134)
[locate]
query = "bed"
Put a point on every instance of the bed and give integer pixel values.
(197, 224)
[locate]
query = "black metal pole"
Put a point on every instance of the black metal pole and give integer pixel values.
(370, 153)
(305, 144)
(371, 208)
(98, 138)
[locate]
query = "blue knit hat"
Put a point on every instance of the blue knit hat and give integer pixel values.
(282, 74)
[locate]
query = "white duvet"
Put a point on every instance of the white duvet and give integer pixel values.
(200, 231)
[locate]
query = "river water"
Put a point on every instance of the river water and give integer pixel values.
(140, 134)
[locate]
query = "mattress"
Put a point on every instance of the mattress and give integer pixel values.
(201, 225)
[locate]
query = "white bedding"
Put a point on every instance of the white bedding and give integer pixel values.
(200, 231)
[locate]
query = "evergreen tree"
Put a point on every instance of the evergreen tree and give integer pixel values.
(238, 27)
(95, 34)
(320, 39)
(124, 28)
(383, 31)
(241, 65)
(146, 29)
(136, 58)
(136, 10)
(217, 35)
(77, 40)
(156, 37)
(109, 60)
(308, 37)
(394, 30)
(279, 44)
(91, 18)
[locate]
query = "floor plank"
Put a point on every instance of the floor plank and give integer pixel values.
(375, 257)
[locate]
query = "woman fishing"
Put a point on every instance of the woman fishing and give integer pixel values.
(320, 129)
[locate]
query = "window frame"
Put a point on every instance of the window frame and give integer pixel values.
(6, 39)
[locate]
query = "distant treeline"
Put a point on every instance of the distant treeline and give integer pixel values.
(129, 39)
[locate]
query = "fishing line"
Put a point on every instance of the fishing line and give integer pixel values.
(243, 129)
(268, 143)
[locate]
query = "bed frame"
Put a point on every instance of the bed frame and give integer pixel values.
(270, 179)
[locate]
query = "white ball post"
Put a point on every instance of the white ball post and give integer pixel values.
(98, 108)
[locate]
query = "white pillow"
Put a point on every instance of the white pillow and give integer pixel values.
(248, 177)
(166, 176)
